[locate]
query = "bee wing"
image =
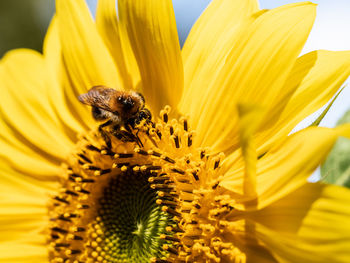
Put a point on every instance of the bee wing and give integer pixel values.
(101, 97)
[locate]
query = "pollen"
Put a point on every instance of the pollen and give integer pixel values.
(153, 199)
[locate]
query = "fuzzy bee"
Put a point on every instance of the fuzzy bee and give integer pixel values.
(117, 108)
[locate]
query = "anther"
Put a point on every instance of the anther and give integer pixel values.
(153, 168)
(164, 116)
(169, 194)
(159, 179)
(170, 211)
(215, 185)
(159, 134)
(123, 155)
(80, 206)
(156, 154)
(195, 175)
(196, 205)
(69, 192)
(169, 238)
(177, 141)
(93, 148)
(189, 140)
(170, 249)
(167, 159)
(174, 229)
(59, 230)
(90, 167)
(75, 237)
(79, 229)
(54, 236)
(166, 202)
(158, 260)
(193, 237)
(179, 171)
(62, 200)
(216, 164)
(62, 218)
(140, 151)
(62, 245)
(84, 180)
(82, 156)
(185, 123)
(163, 187)
(84, 191)
(73, 252)
(105, 171)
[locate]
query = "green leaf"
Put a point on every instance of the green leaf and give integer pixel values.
(336, 169)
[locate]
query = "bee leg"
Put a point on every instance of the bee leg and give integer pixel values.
(107, 123)
(136, 136)
(104, 133)
(117, 132)
(122, 135)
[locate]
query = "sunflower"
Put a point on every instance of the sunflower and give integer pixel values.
(215, 176)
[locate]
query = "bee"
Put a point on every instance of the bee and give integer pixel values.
(117, 108)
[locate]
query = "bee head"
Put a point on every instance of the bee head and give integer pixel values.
(127, 103)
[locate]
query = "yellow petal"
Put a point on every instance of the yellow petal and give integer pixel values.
(20, 217)
(23, 215)
(117, 41)
(27, 115)
(207, 46)
(153, 36)
(64, 106)
(287, 166)
(254, 72)
(315, 78)
(28, 162)
(24, 252)
(87, 59)
(308, 225)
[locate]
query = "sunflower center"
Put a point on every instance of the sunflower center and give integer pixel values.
(128, 222)
(140, 196)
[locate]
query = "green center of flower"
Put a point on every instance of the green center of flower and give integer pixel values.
(130, 220)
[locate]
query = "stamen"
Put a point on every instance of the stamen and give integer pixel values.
(170, 249)
(169, 238)
(123, 155)
(176, 170)
(93, 148)
(168, 159)
(171, 211)
(84, 158)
